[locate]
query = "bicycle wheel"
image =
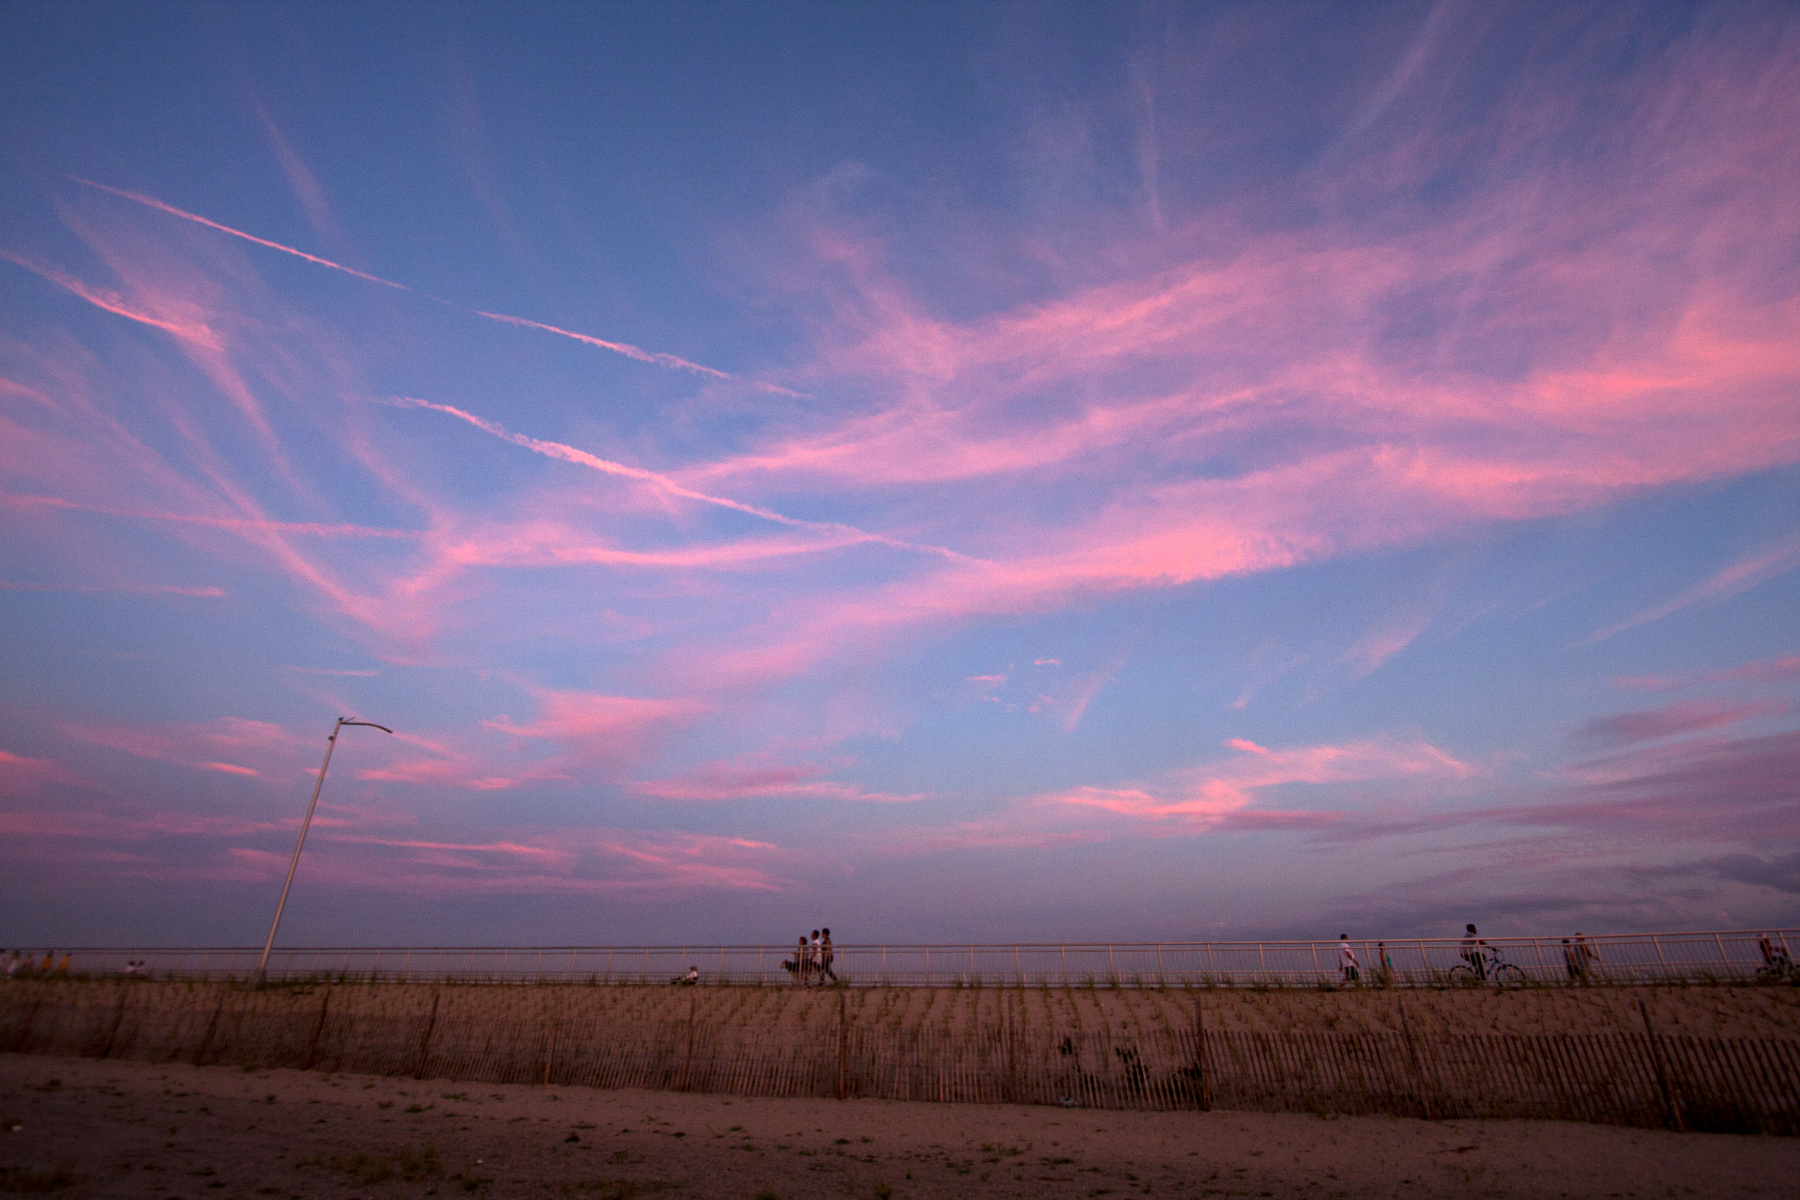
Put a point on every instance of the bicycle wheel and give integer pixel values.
(1507, 976)
(1462, 976)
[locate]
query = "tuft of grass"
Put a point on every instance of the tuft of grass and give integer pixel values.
(614, 1189)
(35, 1182)
(380, 1168)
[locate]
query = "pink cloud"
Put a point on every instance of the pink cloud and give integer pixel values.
(21, 775)
(1686, 716)
(1204, 796)
(1777, 670)
(762, 779)
(597, 726)
(112, 302)
(192, 745)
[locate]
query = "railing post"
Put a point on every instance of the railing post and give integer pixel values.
(1661, 963)
(1723, 957)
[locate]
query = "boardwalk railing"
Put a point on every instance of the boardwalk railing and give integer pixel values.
(1694, 957)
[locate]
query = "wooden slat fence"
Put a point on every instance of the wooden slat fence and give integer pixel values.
(1660, 1081)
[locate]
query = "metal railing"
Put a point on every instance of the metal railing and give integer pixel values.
(1707, 956)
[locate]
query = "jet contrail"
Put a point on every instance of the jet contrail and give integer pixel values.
(153, 202)
(309, 528)
(582, 458)
(625, 348)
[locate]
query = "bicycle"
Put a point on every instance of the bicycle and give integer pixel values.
(1781, 969)
(1493, 969)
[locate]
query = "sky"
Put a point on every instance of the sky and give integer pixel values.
(946, 472)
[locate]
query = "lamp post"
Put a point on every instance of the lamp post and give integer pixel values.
(262, 964)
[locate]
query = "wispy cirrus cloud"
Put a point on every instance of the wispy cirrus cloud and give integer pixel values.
(761, 779)
(1740, 576)
(1776, 670)
(112, 302)
(200, 747)
(1212, 794)
(1686, 716)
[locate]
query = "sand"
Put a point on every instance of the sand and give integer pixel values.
(119, 1129)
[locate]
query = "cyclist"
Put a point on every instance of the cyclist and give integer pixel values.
(1775, 958)
(1472, 951)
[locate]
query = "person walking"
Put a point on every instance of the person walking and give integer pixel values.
(801, 953)
(1585, 957)
(815, 956)
(1347, 960)
(825, 957)
(1472, 948)
(1384, 966)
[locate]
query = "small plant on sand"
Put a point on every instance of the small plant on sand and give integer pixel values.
(27, 1182)
(379, 1168)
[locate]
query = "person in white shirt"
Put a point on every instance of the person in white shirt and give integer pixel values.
(1347, 959)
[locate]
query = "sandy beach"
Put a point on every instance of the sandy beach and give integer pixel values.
(117, 1129)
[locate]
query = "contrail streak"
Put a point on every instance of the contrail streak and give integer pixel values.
(625, 348)
(153, 202)
(135, 589)
(309, 528)
(111, 301)
(570, 454)
(636, 353)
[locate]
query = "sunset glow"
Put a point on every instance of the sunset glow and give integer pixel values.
(1057, 472)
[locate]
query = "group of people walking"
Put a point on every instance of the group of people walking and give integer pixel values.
(812, 959)
(26, 964)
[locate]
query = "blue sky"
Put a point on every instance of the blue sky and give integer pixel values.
(947, 472)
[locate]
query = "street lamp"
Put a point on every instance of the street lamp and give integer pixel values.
(330, 745)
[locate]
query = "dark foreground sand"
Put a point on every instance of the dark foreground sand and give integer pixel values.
(80, 1127)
